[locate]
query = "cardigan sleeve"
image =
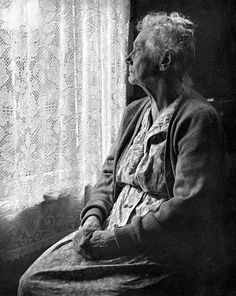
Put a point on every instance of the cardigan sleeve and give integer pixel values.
(198, 174)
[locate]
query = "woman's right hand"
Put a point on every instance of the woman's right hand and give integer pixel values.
(81, 239)
(92, 222)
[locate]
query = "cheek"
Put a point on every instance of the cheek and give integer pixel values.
(143, 70)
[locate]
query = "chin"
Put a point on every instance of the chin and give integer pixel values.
(132, 80)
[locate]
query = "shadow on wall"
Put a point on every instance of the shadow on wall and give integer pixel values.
(213, 72)
(32, 232)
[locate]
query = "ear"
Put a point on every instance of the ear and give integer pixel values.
(165, 61)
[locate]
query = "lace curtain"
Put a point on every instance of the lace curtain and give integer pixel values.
(62, 92)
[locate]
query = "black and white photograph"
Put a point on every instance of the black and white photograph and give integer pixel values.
(117, 147)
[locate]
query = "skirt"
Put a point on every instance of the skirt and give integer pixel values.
(62, 271)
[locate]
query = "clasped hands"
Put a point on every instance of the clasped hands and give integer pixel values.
(93, 243)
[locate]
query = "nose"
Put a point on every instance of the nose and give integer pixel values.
(129, 60)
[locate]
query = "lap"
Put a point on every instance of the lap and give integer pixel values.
(61, 271)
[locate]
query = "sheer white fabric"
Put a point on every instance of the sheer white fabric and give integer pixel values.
(62, 92)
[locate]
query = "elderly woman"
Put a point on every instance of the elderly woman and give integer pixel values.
(152, 224)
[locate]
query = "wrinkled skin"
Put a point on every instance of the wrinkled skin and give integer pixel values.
(92, 242)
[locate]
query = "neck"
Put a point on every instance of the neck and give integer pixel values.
(161, 92)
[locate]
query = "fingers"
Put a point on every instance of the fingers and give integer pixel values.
(89, 243)
(106, 245)
(95, 244)
(98, 235)
(81, 241)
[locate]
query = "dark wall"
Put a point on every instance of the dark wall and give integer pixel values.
(213, 72)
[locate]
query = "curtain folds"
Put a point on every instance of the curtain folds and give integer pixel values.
(62, 92)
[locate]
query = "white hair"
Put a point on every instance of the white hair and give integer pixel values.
(172, 33)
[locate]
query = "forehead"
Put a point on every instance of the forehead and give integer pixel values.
(142, 37)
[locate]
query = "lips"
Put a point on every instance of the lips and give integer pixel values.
(131, 70)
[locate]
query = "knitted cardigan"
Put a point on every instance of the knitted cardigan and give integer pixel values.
(195, 167)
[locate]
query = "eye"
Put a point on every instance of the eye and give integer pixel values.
(137, 50)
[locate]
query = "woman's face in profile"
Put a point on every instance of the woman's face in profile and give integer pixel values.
(140, 67)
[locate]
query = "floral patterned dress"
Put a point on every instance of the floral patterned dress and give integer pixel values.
(61, 271)
(140, 193)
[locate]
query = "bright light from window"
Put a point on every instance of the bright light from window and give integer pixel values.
(33, 13)
(20, 13)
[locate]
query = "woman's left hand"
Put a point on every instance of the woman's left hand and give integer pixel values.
(103, 245)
